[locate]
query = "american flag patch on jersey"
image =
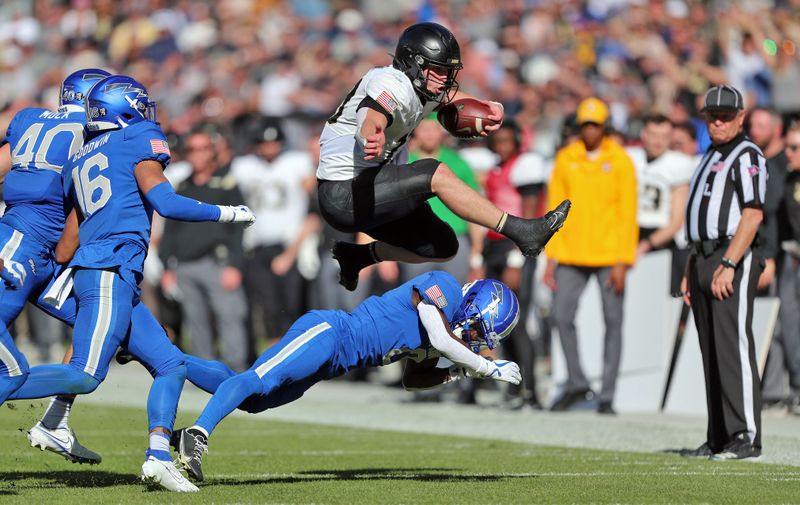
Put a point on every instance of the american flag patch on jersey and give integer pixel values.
(159, 146)
(386, 101)
(436, 295)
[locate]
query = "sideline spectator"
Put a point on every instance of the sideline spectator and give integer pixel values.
(596, 174)
(275, 185)
(205, 262)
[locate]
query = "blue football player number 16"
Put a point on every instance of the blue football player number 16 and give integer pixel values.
(92, 194)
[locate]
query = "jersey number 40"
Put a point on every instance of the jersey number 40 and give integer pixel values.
(29, 148)
(92, 194)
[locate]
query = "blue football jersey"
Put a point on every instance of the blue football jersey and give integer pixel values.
(41, 143)
(384, 329)
(100, 181)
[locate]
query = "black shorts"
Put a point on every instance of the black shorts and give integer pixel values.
(390, 204)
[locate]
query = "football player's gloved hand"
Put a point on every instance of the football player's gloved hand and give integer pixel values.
(13, 274)
(236, 214)
(499, 370)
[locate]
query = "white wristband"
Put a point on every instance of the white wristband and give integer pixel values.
(226, 213)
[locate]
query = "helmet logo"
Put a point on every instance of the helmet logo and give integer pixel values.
(97, 112)
(127, 89)
(92, 77)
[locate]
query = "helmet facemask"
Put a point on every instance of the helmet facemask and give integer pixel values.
(478, 319)
(420, 79)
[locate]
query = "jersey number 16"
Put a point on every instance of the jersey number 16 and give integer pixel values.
(92, 194)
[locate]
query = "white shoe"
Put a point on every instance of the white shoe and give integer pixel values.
(63, 442)
(163, 473)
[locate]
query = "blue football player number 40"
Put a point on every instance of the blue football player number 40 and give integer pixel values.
(27, 151)
(92, 194)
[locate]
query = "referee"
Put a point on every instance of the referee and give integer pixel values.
(723, 213)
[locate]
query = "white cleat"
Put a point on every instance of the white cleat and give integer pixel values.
(156, 472)
(63, 442)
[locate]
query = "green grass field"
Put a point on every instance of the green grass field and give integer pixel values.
(257, 461)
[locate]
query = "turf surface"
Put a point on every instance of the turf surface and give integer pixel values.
(258, 461)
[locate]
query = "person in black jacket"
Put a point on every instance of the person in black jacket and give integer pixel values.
(203, 264)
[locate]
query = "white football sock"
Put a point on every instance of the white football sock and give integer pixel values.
(159, 441)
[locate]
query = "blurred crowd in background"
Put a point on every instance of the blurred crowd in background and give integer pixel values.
(243, 87)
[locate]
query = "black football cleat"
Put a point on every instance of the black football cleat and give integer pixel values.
(531, 235)
(192, 445)
(124, 357)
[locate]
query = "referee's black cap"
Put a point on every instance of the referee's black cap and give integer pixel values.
(723, 98)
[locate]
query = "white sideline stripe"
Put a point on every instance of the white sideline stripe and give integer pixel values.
(744, 355)
(8, 360)
(10, 247)
(100, 332)
(287, 351)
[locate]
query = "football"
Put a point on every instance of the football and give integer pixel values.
(465, 118)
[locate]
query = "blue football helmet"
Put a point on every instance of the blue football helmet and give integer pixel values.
(116, 102)
(77, 85)
(491, 309)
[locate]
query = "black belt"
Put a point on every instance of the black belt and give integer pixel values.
(708, 247)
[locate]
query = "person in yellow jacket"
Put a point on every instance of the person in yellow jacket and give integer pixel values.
(600, 239)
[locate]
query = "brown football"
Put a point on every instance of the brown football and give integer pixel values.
(465, 118)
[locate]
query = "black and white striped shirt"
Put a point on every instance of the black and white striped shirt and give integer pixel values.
(729, 178)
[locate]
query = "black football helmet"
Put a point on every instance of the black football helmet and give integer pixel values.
(424, 46)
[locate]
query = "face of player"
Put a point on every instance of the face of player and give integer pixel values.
(436, 78)
(429, 136)
(473, 339)
(592, 135)
(762, 129)
(792, 149)
(682, 142)
(723, 126)
(270, 150)
(503, 143)
(656, 137)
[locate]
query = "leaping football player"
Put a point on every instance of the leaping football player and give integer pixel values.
(366, 184)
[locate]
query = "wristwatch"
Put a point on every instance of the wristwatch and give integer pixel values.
(728, 263)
